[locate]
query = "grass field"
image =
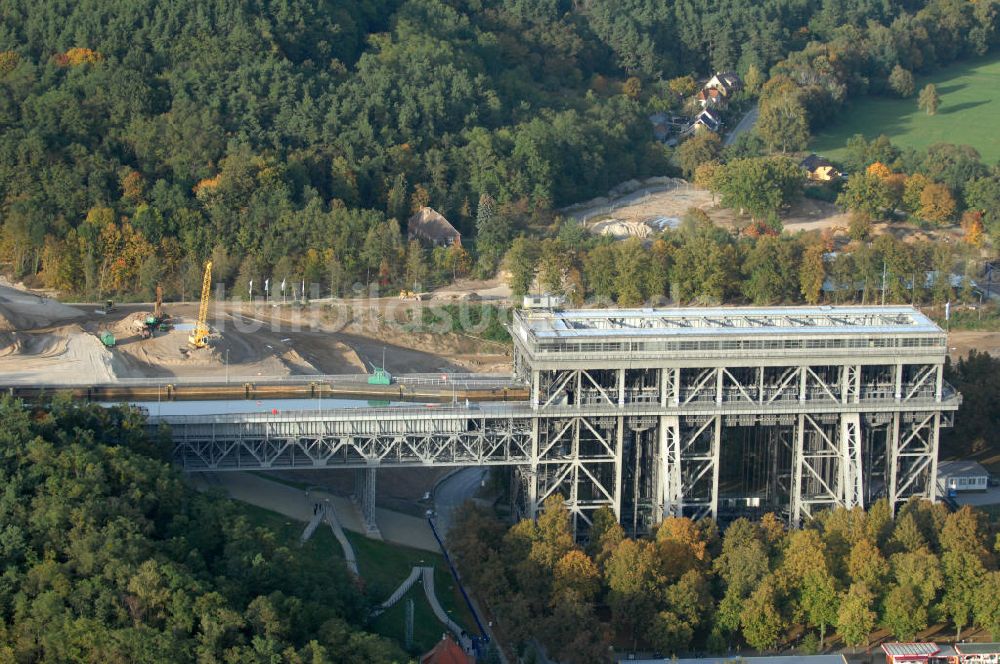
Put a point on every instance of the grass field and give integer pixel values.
(383, 567)
(969, 114)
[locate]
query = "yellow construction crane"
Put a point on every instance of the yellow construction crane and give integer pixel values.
(200, 333)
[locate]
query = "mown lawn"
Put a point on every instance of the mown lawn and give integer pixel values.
(383, 567)
(969, 114)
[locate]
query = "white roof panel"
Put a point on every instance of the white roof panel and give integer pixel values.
(712, 321)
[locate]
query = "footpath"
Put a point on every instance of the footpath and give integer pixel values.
(315, 507)
(299, 504)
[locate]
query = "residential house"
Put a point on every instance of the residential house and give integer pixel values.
(447, 652)
(429, 226)
(819, 169)
(728, 82)
(708, 119)
(711, 98)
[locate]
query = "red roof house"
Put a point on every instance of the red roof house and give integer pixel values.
(447, 652)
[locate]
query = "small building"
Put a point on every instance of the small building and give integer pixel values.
(725, 659)
(447, 652)
(544, 301)
(955, 476)
(708, 119)
(428, 225)
(728, 82)
(931, 653)
(819, 169)
(978, 653)
(711, 98)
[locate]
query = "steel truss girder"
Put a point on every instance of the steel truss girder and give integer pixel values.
(912, 452)
(501, 442)
(581, 459)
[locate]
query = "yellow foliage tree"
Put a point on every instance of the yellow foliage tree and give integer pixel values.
(133, 187)
(206, 187)
(936, 203)
(8, 60)
(78, 56)
(879, 170)
(972, 228)
(632, 87)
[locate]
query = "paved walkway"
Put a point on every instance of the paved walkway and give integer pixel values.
(338, 532)
(298, 504)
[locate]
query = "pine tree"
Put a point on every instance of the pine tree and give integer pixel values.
(492, 236)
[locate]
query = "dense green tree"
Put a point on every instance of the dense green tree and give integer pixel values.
(761, 620)
(492, 235)
(901, 82)
(760, 186)
(521, 261)
(783, 123)
(701, 148)
(866, 194)
(772, 268)
(855, 618)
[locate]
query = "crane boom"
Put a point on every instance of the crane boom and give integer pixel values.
(200, 333)
(158, 308)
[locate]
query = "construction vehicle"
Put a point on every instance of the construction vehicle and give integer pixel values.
(157, 316)
(408, 295)
(198, 336)
(379, 376)
(108, 339)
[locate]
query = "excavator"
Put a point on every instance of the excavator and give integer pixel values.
(198, 336)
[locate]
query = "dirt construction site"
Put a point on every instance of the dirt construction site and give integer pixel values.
(43, 341)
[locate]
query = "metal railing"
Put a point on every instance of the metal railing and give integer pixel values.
(461, 380)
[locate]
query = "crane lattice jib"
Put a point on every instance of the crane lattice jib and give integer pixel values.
(201, 327)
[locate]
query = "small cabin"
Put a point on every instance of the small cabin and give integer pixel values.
(544, 301)
(958, 476)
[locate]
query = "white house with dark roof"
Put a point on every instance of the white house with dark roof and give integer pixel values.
(961, 476)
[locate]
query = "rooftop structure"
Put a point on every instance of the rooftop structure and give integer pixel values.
(932, 653)
(430, 226)
(772, 332)
(727, 320)
(725, 659)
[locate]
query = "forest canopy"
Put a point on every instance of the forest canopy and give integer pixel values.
(296, 137)
(108, 557)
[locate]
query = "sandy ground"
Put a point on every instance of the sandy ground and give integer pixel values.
(961, 342)
(64, 356)
(630, 215)
(20, 310)
(43, 341)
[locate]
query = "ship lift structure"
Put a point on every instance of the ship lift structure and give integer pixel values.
(698, 412)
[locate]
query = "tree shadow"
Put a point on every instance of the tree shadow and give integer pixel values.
(947, 110)
(948, 89)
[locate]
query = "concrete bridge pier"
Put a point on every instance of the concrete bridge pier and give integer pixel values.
(364, 494)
